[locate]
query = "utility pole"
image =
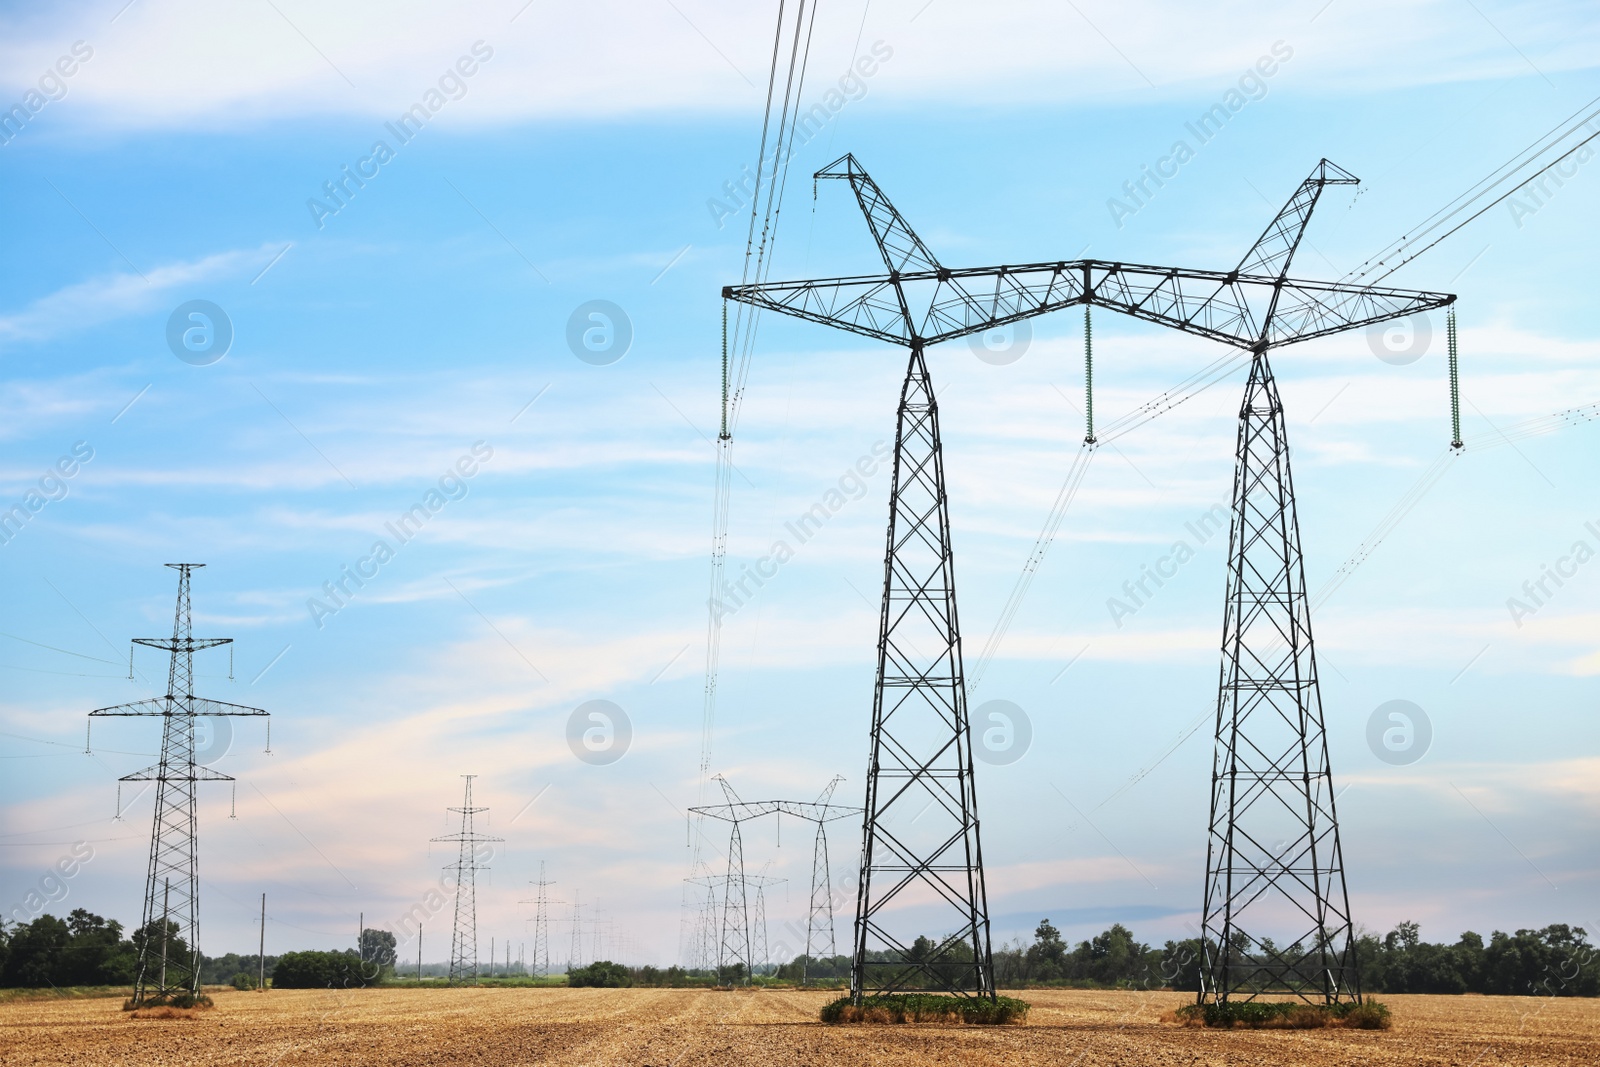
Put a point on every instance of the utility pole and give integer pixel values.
(261, 953)
(361, 947)
(174, 848)
(419, 952)
(464, 940)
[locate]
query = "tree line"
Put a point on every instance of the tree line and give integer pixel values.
(1554, 961)
(85, 949)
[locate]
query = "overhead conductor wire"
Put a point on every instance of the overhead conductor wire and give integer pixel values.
(738, 344)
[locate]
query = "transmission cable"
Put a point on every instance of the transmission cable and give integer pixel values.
(1447, 215)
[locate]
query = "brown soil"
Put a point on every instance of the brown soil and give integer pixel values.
(692, 1028)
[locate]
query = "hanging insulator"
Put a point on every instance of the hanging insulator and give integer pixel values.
(1088, 376)
(1455, 381)
(724, 435)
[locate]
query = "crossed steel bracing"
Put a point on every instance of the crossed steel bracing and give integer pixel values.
(464, 935)
(738, 916)
(172, 883)
(921, 760)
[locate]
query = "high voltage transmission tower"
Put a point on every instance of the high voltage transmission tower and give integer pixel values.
(464, 938)
(541, 923)
(575, 949)
(741, 918)
(919, 704)
(172, 881)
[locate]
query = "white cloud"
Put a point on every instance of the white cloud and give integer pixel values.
(113, 296)
(177, 63)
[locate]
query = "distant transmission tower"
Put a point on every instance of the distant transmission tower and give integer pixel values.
(743, 939)
(541, 924)
(575, 951)
(172, 883)
(464, 941)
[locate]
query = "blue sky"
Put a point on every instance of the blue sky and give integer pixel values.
(373, 351)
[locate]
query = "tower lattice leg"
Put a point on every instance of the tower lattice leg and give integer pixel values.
(922, 919)
(819, 918)
(1276, 913)
(736, 947)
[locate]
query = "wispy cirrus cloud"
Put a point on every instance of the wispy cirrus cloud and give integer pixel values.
(114, 296)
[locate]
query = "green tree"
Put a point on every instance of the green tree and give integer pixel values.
(601, 973)
(378, 948)
(322, 970)
(36, 949)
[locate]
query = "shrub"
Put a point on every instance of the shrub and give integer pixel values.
(243, 980)
(1285, 1015)
(160, 1007)
(601, 973)
(927, 1008)
(323, 970)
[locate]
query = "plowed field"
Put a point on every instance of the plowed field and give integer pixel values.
(690, 1028)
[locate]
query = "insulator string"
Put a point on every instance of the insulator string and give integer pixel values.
(1088, 374)
(1455, 381)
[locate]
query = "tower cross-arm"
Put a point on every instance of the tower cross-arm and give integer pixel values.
(919, 301)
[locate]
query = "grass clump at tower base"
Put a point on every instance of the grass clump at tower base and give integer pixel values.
(1285, 1015)
(173, 1006)
(927, 1008)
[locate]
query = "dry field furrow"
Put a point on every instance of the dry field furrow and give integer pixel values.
(691, 1028)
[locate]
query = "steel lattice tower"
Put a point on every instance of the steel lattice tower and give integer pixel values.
(920, 841)
(1255, 306)
(1274, 861)
(172, 881)
(743, 939)
(575, 950)
(464, 938)
(541, 924)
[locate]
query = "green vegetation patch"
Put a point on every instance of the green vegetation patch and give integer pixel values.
(184, 1001)
(602, 974)
(1286, 1015)
(928, 1008)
